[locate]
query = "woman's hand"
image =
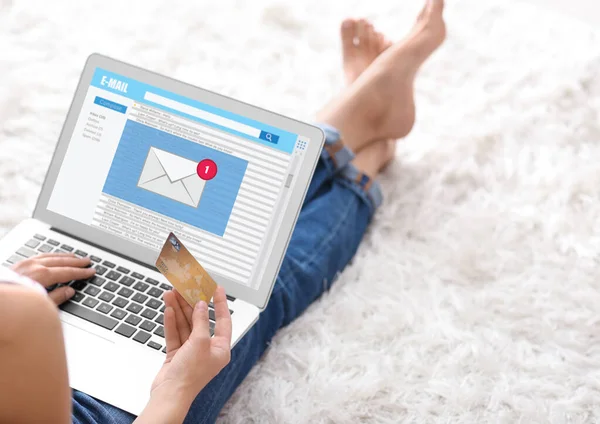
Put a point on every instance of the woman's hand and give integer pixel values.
(55, 268)
(193, 357)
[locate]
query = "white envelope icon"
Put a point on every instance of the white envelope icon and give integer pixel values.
(172, 176)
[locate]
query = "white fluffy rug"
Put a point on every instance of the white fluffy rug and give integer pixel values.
(475, 297)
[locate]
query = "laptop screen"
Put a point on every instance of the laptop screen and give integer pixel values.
(143, 162)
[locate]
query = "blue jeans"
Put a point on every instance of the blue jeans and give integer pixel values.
(337, 210)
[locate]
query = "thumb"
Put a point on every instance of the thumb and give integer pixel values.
(200, 321)
(61, 294)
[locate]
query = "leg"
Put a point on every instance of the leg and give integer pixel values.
(327, 235)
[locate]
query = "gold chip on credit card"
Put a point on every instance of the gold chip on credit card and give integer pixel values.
(184, 272)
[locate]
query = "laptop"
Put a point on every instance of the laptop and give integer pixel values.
(141, 155)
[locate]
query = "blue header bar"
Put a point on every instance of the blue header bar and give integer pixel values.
(247, 128)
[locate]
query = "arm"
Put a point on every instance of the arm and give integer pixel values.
(193, 357)
(33, 371)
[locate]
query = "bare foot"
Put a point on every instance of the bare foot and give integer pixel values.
(361, 45)
(380, 103)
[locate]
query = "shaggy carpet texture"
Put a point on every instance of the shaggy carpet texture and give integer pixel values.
(475, 296)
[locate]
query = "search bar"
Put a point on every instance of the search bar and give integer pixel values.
(207, 116)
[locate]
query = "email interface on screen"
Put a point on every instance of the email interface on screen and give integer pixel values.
(143, 161)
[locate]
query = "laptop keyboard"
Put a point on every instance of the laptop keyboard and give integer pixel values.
(127, 303)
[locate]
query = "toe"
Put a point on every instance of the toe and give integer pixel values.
(370, 37)
(361, 32)
(435, 7)
(382, 42)
(348, 32)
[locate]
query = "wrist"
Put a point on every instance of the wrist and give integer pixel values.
(167, 405)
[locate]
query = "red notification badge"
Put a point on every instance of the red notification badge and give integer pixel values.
(207, 169)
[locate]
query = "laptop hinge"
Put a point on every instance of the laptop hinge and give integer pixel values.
(105, 249)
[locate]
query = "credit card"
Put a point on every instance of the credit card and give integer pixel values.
(184, 272)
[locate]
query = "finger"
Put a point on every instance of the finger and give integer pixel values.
(66, 274)
(201, 326)
(182, 324)
(171, 331)
(61, 294)
(65, 261)
(222, 314)
(185, 307)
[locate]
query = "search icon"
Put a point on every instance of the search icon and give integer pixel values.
(271, 138)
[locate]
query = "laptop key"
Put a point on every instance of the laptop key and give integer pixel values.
(125, 292)
(154, 345)
(53, 242)
(119, 314)
(162, 309)
(165, 286)
(24, 251)
(123, 270)
(106, 296)
(135, 308)
(127, 281)
(142, 287)
(108, 264)
(160, 331)
(89, 315)
(14, 259)
(97, 281)
(152, 281)
(45, 248)
(113, 275)
(154, 292)
(33, 243)
(90, 302)
(125, 330)
(112, 287)
(141, 337)
(211, 315)
(79, 285)
(81, 253)
(92, 291)
(154, 304)
(94, 258)
(120, 302)
(100, 270)
(39, 237)
(133, 319)
(164, 350)
(105, 308)
(230, 298)
(211, 328)
(77, 297)
(66, 247)
(149, 313)
(160, 319)
(140, 298)
(138, 276)
(147, 325)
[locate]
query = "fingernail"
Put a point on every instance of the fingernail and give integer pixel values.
(202, 306)
(69, 292)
